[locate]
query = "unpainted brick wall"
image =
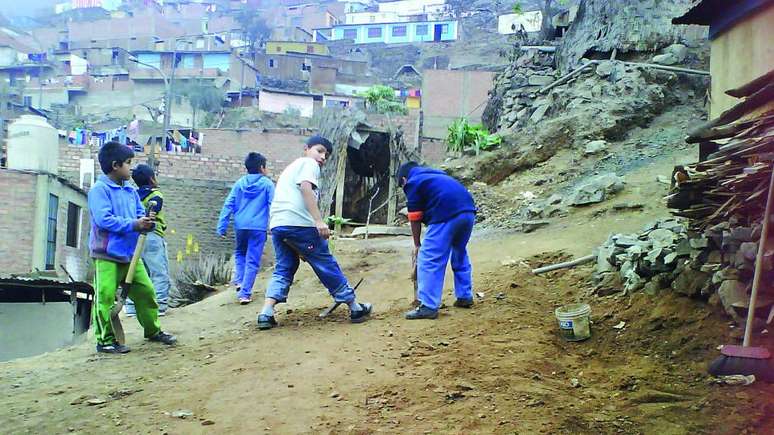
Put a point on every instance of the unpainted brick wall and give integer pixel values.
(17, 194)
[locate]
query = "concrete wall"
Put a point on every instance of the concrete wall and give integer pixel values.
(282, 47)
(125, 99)
(275, 102)
(34, 328)
(448, 95)
(740, 55)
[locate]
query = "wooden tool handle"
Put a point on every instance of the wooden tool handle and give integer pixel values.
(759, 263)
(138, 249)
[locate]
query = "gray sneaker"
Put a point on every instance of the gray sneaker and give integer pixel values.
(422, 312)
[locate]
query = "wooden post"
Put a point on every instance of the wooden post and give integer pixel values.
(341, 176)
(391, 203)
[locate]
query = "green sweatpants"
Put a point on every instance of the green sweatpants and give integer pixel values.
(107, 281)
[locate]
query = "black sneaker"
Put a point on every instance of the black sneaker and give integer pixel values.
(112, 348)
(463, 303)
(266, 322)
(164, 338)
(362, 315)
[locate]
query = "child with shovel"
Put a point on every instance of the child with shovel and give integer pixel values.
(298, 229)
(117, 218)
(447, 208)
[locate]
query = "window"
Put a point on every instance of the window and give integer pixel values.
(27, 101)
(374, 32)
(445, 29)
(272, 64)
(422, 30)
(73, 224)
(350, 33)
(53, 208)
(399, 31)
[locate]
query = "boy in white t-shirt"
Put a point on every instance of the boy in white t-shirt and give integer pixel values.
(297, 227)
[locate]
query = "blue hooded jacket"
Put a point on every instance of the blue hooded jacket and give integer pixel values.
(113, 209)
(437, 195)
(249, 202)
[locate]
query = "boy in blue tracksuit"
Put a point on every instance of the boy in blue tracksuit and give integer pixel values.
(447, 208)
(249, 203)
(117, 218)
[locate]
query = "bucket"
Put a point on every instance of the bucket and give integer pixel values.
(574, 322)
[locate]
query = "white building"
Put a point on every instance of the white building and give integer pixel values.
(374, 17)
(512, 23)
(434, 9)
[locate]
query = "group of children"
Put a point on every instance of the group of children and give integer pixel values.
(290, 214)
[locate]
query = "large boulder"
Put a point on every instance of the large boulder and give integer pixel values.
(596, 189)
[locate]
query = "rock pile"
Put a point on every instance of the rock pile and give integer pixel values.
(515, 91)
(717, 264)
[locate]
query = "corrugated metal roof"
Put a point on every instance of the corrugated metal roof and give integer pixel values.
(14, 282)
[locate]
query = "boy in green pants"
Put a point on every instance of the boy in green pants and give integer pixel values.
(117, 218)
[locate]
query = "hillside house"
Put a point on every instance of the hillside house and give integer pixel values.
(396, 33)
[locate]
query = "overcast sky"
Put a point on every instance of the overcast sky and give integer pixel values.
(24, 7)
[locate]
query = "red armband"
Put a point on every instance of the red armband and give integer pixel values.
(415, 216)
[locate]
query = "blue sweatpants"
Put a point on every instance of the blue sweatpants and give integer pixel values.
(442, 239)
(247, 256)
(314, 248)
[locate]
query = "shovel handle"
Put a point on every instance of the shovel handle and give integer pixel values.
(759, 263)
(138, 249)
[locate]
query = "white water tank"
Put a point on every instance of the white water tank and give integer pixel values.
(33, 144)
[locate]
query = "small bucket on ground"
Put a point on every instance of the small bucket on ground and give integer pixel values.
(574, 322)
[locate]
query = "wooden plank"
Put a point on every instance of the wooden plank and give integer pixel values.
(391, 197)
(754, 101)
(753, 86)
(341, 177)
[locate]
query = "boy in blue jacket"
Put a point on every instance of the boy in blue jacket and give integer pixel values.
(117, 218)
(447, 208)
(249, 203)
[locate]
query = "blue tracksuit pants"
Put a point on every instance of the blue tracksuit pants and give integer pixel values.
(442, 239)
(288, 243)
(247, 258)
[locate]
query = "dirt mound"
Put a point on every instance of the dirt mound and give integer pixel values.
(501, 366)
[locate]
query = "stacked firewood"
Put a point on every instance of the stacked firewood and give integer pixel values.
(724, 195)
(733, 181)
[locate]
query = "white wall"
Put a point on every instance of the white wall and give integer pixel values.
(509, 24)
(413, 7)
(278, 103)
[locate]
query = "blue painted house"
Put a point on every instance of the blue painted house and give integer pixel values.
(396, 33)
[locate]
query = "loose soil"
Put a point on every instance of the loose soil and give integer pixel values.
(499, 367)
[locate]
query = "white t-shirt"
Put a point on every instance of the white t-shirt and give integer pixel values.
(288, 208)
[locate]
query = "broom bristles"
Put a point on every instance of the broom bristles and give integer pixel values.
(734, 365)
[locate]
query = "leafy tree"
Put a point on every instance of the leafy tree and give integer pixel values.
(203, 96)
(381, 99)
(254, 27)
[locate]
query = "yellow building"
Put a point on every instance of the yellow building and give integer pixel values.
(284, 47)
(742, 44)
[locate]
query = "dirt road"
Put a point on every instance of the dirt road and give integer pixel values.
(498, 368)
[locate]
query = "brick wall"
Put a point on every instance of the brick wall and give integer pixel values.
(451, 94)
(192, 207)
(17, 194)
